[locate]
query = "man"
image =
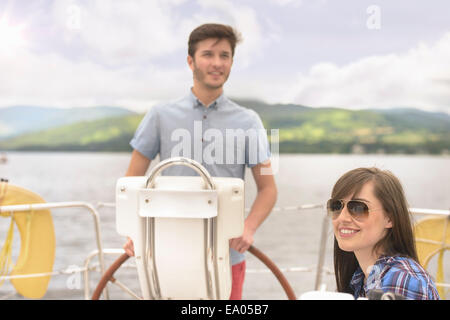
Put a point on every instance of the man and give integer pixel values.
(210, 57)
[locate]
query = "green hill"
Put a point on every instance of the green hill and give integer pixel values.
(333, 130)
(301, 130)
(18, 120)
(109, 134)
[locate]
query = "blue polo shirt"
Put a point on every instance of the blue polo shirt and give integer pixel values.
(224, 137)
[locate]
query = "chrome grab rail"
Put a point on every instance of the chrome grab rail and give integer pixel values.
(180, 161)
(209, 227)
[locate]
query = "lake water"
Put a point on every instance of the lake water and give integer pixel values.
(289, 238)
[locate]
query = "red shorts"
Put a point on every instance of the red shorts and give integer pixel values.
(238, 274)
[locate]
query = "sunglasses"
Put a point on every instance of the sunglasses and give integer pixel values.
(357, 209)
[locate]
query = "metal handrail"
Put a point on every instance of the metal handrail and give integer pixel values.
(100, 252)
(86, 268)
(320, 269)
(429, 211)
(209, 226)
(56, 205)
(325, 227)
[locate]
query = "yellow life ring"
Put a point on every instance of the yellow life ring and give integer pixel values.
(37, 241)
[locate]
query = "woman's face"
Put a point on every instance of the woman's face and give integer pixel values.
(360, 236)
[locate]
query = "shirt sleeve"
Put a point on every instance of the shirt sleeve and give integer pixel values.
(146, 139)
(257, 148)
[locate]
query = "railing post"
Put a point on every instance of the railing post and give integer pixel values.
(323, 246)
(59, 205)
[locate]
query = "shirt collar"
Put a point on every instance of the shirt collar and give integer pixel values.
(373, 280)
(197, 103)
(357, 282)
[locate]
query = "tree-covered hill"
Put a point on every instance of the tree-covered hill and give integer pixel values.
(301, 130)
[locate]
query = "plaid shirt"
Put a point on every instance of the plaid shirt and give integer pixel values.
(400, 275)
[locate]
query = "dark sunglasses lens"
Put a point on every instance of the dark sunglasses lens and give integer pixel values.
(358, 209)
(334, 207)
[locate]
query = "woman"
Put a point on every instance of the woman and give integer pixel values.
(374, 246)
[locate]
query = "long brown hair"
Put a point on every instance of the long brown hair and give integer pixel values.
(399, 239)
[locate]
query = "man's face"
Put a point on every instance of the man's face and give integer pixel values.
(212, 62)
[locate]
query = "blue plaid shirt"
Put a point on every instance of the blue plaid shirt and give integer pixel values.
(399, 275)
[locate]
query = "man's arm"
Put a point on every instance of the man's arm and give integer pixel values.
(138, 167)
(262, 206)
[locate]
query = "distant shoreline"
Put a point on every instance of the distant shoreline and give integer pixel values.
(444, 155)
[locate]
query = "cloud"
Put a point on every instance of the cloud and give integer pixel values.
(417, 78)
(120, 32)
(133, 53)
(246, 21)
(294, 3)
(126, 53)
(52, 80)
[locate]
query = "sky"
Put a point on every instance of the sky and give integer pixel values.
(352, 54)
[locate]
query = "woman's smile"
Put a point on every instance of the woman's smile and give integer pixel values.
(345, 232)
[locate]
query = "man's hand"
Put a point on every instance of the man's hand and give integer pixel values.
(242, 243)
(129, 247)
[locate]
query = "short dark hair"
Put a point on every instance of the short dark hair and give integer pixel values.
(213, 30)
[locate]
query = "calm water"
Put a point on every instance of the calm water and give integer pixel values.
(290, 238)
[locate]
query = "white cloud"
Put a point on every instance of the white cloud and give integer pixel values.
(52, 80)
(106, 53)
(245, 20)
(120, 32)
(418, 78)
(132, 53)
(295, 3)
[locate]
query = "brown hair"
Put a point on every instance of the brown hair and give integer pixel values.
(399, 240)
(213, 30)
